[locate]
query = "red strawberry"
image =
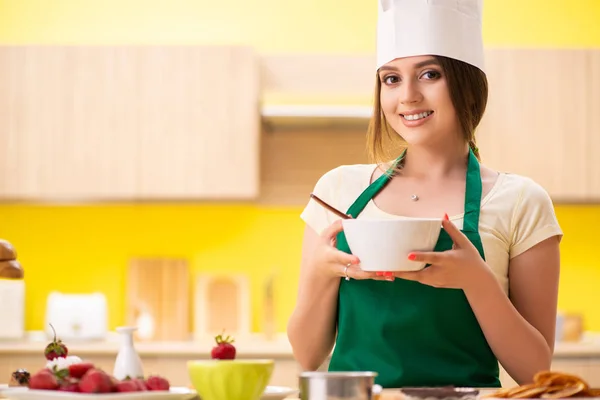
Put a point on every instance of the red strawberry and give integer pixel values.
(79, 370)
(141, 385)
(43, 380)
(224, 350)
(56, 348)
(96, 381)
(157, 383)
(127, 386)
(69, 385)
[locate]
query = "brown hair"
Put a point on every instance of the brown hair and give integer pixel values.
(468, 89)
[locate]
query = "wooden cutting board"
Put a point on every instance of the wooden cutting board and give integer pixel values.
(158, 288)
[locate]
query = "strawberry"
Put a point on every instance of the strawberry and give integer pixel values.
(157, 383)
(96, 381)
(141, 384)
(114, 381)
(127, 386)
(224, 350)
(79, 370)
(69, 385)
(43, 380)
(56, 348)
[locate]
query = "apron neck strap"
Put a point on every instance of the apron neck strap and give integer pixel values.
(374, 188)
(472, 194)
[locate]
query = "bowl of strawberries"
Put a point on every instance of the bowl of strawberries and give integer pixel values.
(225, 377)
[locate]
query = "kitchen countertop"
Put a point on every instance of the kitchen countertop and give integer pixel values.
(253, 346)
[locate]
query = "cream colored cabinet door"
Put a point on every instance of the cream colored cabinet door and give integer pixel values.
(118, 123)
(201, 123)
(594, 127)
(537, 121)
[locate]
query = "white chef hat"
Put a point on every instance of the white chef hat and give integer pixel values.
(450, 28)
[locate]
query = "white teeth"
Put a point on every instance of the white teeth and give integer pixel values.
(413, 117)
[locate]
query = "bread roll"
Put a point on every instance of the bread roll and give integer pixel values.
(11, 269)
(7, 251)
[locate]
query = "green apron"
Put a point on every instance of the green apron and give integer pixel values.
(409, 333)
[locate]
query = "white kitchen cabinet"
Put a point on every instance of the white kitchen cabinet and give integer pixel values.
(128, 123)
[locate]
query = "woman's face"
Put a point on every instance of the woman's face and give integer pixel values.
(416, 101)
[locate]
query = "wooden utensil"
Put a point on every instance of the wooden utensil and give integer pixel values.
(330, 208)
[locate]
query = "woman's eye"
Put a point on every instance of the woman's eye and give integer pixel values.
(432, 75)
(390, 80)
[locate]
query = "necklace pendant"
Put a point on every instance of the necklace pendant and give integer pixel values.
(414, 197)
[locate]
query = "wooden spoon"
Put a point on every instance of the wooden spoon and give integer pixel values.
(330, 208)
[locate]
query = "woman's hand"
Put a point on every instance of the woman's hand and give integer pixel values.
(458, 268)
(329, 262)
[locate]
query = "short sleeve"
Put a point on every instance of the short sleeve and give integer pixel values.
(534, 219)
(315, 215)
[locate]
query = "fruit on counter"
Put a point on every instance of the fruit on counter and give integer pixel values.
(56, 348)
(19, 378)
(44, 380)
(79, 370)
(127, 386)
(85, 377)
(96, 381)
(155, 382)
(224, 350)
(69, 385)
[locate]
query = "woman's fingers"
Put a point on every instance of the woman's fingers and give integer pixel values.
(350, 261)
(354, 272)
(332, 230)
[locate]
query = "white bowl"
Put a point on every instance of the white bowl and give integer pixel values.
(384, 245)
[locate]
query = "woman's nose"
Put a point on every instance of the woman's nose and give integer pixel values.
(409, 93)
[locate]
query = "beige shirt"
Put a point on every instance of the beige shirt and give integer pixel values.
(516, 214)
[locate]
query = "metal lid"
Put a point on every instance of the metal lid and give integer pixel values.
(333, 375)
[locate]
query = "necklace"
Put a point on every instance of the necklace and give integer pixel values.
(414, 196)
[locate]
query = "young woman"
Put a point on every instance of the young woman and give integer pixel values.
(490, 294)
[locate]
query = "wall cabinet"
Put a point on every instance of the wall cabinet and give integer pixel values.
(128, 123)
(185, 122)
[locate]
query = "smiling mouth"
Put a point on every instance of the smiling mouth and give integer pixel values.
(415, 117)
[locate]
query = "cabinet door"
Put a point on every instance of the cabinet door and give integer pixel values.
(199, 116)
(96, 123)
(593, 150)
(62, 126)
(536, 123)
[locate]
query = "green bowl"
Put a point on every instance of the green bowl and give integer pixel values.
(230, 379)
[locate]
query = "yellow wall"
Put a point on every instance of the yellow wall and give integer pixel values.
(85, 248)
(275, 25)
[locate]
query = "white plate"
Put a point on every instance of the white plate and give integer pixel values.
(277, 393)
(22, 393)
